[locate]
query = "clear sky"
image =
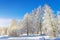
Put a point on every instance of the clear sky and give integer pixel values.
(17, 8)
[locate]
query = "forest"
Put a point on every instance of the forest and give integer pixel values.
(41, 20)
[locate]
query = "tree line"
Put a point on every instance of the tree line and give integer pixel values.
(41, 20)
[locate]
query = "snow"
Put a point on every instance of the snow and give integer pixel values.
(25, 38)
(3, 36)
(6, 37)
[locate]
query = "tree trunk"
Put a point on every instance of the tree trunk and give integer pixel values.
(40, 28)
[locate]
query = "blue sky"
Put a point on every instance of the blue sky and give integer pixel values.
(18, 8)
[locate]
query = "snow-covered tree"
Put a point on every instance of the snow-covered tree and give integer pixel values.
(58, 22)
(33, 19)
(3, 31)
(38, 20)
(28, 24)
(12, 28)
(49, 24)
(25, 28)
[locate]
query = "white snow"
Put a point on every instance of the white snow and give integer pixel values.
(6, 37)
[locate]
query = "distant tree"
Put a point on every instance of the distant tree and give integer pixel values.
(5, 29)
(12, 27)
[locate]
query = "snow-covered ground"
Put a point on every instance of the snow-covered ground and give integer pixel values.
(30, 37)
(6, 37)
